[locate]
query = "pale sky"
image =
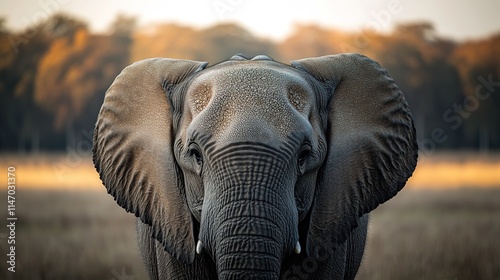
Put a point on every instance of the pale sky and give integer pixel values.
(462, 19)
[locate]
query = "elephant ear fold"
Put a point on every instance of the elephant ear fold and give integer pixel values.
(372, 148)
(133, 154)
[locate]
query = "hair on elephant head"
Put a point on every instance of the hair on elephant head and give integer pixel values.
(248, 168)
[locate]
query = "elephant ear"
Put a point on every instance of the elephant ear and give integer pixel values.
(372, 148)
(133, 150)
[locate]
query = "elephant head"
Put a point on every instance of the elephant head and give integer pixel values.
(239, 156)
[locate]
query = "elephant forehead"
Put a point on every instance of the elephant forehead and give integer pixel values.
(249, 85)
(247, 96)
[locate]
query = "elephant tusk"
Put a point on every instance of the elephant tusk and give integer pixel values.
(199, 247)
(297, 248)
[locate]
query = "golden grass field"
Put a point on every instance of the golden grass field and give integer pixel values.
(444, 225)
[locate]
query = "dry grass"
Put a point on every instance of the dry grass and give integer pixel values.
(421, 234)
(433, 229)
(72, 235)
(435, 234)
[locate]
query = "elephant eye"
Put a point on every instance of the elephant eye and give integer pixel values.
(195, 154)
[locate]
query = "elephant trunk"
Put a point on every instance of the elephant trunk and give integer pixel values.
(250, 221)
(249, 247)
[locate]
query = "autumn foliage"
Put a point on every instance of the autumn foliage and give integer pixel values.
(53, 76)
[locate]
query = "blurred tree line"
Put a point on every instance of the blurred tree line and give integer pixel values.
(53, 75)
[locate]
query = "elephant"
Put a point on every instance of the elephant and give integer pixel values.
(252, 168)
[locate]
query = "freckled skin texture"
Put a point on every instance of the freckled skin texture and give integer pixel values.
(248, 98)
(253, 169)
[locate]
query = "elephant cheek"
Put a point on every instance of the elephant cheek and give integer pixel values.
(194, 194)
(304, 194)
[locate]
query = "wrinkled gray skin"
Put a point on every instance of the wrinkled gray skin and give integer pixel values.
(251, 157)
